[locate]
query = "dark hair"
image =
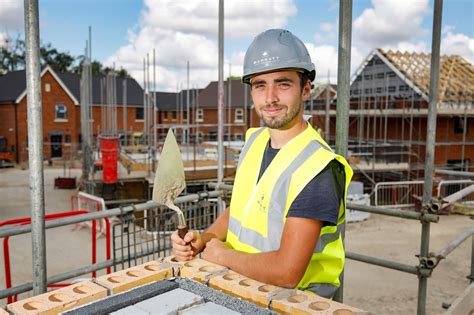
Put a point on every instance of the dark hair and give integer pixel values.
(304, 77)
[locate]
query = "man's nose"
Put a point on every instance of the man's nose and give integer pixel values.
(271, 96)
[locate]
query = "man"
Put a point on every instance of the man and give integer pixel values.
(287, 211)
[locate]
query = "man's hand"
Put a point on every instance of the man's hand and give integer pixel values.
(215, 251)
(187, 248)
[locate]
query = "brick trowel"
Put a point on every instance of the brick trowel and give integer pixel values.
(169, 179)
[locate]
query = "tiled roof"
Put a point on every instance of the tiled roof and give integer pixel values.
(13, 84)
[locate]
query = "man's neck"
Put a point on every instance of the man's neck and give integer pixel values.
(280, 137)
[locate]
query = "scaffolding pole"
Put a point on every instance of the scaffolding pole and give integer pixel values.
(220, 103)
(430, 146)
(343, 96)
(35, 146)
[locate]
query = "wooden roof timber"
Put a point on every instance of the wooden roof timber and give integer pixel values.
(456, 82)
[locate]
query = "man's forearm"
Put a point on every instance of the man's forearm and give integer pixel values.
(268, 267)
(218, 229)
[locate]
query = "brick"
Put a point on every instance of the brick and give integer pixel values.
(175, 264)
(225, 281)
(306, 303)
(251, 290)
(200, 270)
(208, 308)
(59, 300)
(132, 277)
(170, 302)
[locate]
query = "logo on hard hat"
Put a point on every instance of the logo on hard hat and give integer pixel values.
(266, 59)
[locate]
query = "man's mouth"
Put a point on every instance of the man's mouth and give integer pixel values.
(272, 110)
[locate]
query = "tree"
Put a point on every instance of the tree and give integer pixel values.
(12, 57)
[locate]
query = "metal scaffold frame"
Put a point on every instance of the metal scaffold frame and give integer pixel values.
(428, 214)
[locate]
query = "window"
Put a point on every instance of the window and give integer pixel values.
(380, 75)
(370, 63)
(356, 91)
(391, 74)
(368, 91)
(459, 125)
(200, 115)
(359, 78)
(139, 113)
(173, 115)
(238, 137)
(378, 62)
(368, 77)
(239, 115)
(392, 88)
(185, 115)
(379, 90)
(67, 139)
(61, 112)
(47, 87)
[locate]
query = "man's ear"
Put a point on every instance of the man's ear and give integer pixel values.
(307, 90)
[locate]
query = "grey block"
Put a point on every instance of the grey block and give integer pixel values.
(130, 310)
(170, 302)
(208, 308)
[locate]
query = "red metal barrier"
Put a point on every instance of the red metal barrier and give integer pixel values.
(109, 147)
(27, 220)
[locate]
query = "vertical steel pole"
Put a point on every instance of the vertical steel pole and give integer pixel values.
(430, 146)
(328, 108)
(220, 102)
(343, 76)
(35, 146)
(343, 88)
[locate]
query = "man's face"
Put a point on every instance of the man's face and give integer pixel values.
(278, 98)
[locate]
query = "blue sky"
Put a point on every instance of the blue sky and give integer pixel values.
(124, 31)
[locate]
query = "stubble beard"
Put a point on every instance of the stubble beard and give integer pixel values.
(281, 122)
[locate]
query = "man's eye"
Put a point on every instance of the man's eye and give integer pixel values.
(284, 85)
(258, 86)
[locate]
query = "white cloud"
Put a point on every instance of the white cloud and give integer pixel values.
(183, 31)
(458, 44)
(11, 19)
(389, 22)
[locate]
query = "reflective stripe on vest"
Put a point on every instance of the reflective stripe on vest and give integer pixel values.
(248, 144)
(277, 204)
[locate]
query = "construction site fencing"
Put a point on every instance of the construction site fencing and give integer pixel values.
(143, 236)
(132, 234)
(406, 194)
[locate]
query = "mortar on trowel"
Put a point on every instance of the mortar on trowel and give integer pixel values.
(169, 179)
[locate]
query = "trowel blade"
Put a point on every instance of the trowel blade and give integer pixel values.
(169, 176)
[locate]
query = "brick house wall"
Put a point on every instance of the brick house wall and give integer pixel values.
(8, 126)
(65, 128)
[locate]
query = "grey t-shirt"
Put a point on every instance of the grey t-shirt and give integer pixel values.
(321, 197)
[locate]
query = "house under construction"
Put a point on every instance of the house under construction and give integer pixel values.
(388, 115)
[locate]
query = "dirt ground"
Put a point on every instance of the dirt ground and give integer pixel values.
(369, 287)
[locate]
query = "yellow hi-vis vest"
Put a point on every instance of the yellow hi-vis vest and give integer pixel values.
(258, 210)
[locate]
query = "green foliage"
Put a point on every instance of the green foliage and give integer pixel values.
(12, 57)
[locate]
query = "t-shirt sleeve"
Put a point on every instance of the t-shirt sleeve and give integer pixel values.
(322, 197)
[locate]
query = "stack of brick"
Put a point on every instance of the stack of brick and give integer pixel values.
(288, 301)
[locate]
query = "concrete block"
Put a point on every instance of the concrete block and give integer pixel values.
(306, 303)
(135, 276)
(201, 270)
(170, 302)
(130, 310)
(208, 308)
(60, 300)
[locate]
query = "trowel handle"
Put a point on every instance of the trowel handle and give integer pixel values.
(182, 231)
